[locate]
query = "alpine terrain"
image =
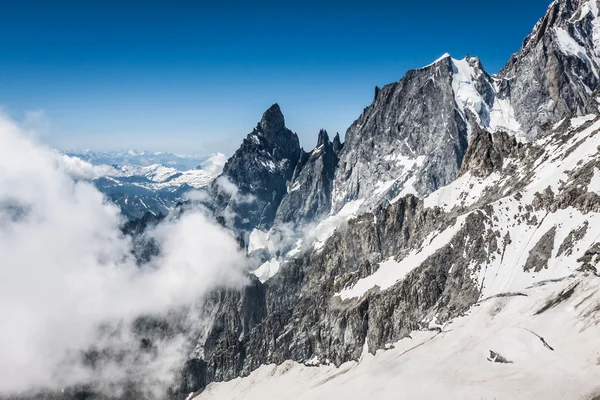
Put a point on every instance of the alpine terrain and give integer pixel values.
(448, 248)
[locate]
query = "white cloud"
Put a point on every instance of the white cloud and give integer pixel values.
(214, 164)
(77, 168)
(65, 268)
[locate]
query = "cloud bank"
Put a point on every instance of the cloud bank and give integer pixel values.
(66, 269)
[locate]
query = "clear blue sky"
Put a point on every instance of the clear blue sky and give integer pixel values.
(195, 76)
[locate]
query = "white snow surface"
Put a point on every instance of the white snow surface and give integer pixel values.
(267, 270)
(323, 231)
(444, 56)
(496, 116)
(454, 363)
(258, 240)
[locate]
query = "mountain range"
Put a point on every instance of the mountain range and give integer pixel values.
(448, 247)
(141, 182)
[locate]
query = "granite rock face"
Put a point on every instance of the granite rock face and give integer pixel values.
(555, 73)
(309, 194)
(456, 210)
(255, 178)
(389, 144)
(491, 245)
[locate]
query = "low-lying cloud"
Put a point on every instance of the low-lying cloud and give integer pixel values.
(66, 269)
(214, 164)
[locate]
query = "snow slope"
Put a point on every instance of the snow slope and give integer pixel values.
(454, 359)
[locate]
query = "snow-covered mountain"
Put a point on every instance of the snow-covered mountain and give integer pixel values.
(141, 182)
(449, 245)
(140, 158)
(456, 192)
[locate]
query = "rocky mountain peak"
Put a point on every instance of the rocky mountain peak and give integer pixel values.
(556, 71)
(309, 193)
(337, 143)
(257, 174)
(323, 138)
(272, 121)
(559, 12)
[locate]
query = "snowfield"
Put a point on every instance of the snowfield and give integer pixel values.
(455, 360)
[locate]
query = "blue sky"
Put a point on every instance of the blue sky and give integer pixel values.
(195, 76)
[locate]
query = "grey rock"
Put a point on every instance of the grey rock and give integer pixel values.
(540, 253)
(543, 82)
(260, 170)
(487, 151)
(309, 194)
(384, 143)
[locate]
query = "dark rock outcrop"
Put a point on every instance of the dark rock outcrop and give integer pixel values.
(309, 194)
(487, 151)
(255, 178)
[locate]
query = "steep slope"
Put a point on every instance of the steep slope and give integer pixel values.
(556, 73)
(309, 195)
(390, 151)
(519, 216)
(493, 352)
(255, 178)
(466, 240)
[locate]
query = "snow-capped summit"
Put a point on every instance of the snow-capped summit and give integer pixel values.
(442, 57)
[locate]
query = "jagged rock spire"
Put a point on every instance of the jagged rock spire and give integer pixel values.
(337, 143)
(272, 120)
(259, 170)
(323, 138)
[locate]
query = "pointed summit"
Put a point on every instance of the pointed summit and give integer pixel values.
(323, 138)
(562, 56)
(272, 120)
(337, 143)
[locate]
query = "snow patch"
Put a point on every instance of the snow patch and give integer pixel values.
(257, 240)
(267, 270)
(391, 271)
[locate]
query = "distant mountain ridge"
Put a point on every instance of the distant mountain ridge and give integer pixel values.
(139, 158)
(144, 182)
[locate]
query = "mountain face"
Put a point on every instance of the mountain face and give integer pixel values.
(516, 229)
(388, 145)
(309, 195)
(555, 74)
(255, 178)
(475, 191)
(452, 238)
